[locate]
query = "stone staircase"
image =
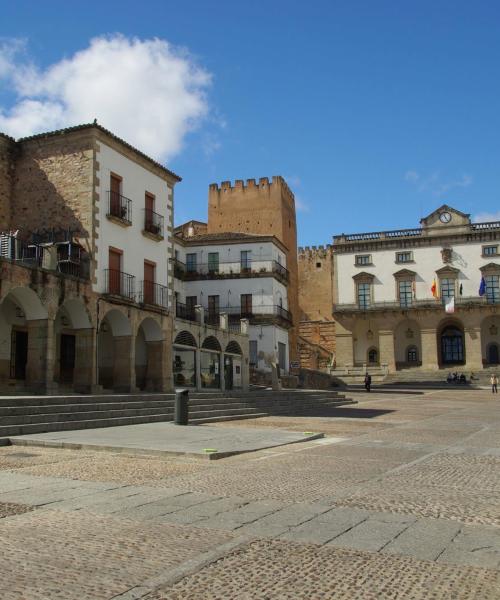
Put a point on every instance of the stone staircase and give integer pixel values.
(20, 415)
(438, 378)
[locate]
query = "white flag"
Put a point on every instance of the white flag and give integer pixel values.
(450, 305)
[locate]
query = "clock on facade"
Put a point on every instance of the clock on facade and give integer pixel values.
(445, 217)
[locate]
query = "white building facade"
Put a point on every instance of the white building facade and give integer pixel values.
(233, 277)
(425, 298)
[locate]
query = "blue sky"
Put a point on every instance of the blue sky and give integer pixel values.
(375, 112)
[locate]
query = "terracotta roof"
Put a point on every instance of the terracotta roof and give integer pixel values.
(95, 125)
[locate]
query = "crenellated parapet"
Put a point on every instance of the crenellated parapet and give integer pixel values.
(314, 252)
(263, 183)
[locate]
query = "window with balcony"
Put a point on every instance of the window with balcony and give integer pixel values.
(447, 285)
(364, 295)
(492, 289)
(405, 289)
(149, 282)
(153, 222)
(119, 207)
(191, 262)
(191, 302)
(245, 261)
(213, 262)
(246, 305)
(363, 259)
(213, 310)
(404, 257)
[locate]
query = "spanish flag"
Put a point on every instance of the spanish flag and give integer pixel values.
(434, 289)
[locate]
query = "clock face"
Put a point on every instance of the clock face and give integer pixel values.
(445, 217)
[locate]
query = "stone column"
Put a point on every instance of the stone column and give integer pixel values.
(429, 350)
(245, 373)
(41, 356)
(245, 324)
(123, 364)
(85, 372)
(198, 368)
(222, 373)
(473, 350)
(386, 349)
(224, 321)
(200, 314)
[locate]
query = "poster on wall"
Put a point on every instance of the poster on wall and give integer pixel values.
(237, 373)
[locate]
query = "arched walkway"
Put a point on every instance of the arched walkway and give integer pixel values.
(25, 341)
(233, 366)
(210, 369)
(74, 346)
(114, 349)
(149, 356)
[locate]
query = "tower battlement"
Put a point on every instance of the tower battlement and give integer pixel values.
(315, 251)
(263, 183)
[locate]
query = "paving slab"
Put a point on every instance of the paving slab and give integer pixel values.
(426, 539)
(169, 439)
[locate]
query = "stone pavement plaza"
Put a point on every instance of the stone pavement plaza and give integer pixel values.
(400, 500)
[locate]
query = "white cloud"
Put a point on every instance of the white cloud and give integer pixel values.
(300, 205)
(146, 91)
(435, 184)
(486, 217)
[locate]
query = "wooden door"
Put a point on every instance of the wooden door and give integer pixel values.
(114, 272)
(114, 195)
(149, 282)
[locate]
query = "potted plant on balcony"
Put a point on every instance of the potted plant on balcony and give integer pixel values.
(123, 212)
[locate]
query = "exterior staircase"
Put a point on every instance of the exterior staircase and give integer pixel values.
(438, 378)
(20, 415)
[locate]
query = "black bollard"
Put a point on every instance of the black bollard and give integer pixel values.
(181, 407)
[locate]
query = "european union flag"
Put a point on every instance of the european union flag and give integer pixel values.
(482, 287)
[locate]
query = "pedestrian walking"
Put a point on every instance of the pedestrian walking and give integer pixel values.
(368, 382)
(494, 384)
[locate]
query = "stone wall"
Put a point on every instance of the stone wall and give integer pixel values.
(53, 184)
(7, 150)
(266, 208)
(317, 344)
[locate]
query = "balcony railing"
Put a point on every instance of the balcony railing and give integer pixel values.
(118, 283)
(119, 207)
(154, 294)
(183, 311)
(153, 222)
(230, 270)
(420, 303)
(212, 318)
(258, 313)
(20, 251)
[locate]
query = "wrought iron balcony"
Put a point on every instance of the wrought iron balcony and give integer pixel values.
(230, 270)
(20, 251)
(153, 222)
(117, 283)
(259, 314)
(183, 311)
(153, 294)
(119, 207)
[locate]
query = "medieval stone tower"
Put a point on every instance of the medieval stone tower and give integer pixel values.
(317, 327)
(266, 208)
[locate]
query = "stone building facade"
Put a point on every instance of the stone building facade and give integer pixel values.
(68, 319)
(260, 207)
(423, 299)
(317, 327)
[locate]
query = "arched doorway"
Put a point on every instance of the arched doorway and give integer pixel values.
(451, 344)
(407, 344)
(114, 351)
(72, 328)
(372, 356)
(493, 354)
(149, 356)
(210, 363)
(184, 360)
(233, 366)
(22, 314)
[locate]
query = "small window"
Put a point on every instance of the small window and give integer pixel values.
(404, 257)
(412, 354)
(490, 250)
(318, 265)
(363, 259)
(372, 356)
(191, 262)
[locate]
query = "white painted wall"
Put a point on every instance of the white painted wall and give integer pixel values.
(135, 246)
(266, 291)
(267, 337)
(229, 254)
(466, 257)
